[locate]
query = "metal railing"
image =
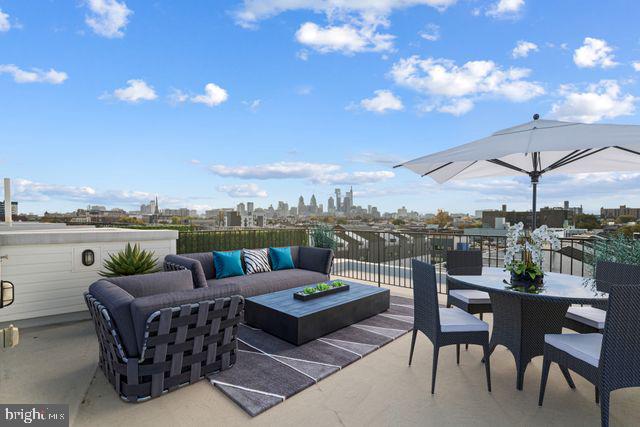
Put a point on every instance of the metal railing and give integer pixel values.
(384, 257)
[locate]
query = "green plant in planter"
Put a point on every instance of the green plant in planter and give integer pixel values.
(130, 261)
(309, 290)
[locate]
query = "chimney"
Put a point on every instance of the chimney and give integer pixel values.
(7, 201)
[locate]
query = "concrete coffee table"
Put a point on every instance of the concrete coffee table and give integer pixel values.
(298, 321)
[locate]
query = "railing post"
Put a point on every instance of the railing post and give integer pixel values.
(379, 278)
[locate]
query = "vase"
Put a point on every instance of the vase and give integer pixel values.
(524, 280)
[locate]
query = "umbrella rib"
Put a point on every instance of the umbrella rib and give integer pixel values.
(570, 156)
(436, 169)
(507, 165)
(627, 150)
(582, 156)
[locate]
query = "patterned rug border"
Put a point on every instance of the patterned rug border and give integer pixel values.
(255, 401)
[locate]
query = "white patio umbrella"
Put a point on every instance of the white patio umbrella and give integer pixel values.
(536, 148)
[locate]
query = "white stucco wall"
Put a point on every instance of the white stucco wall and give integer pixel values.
(46, 267)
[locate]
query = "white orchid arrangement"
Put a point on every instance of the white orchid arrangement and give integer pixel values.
(523, 255)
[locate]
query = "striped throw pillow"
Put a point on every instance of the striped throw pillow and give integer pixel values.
(256, 260)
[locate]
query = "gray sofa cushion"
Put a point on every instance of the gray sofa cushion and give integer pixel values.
(117, 301)
(206, 261)
(143, 285)
(272, 281)
(193, 265)
(142, 308)
(315, 259)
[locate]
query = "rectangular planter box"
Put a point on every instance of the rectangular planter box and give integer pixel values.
(306, 297)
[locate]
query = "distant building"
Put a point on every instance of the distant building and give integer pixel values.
(232, 219)
(331, 205)
(14, 209)
(551, 217)
(613, 213)
(338, 199)
(302, 208)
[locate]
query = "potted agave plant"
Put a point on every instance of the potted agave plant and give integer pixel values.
(523, 255)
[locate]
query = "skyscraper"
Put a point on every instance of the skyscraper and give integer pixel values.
(338, 200)
(313, 205)
(348, 201)
(249, 207)
(331, 205)
(302, 209)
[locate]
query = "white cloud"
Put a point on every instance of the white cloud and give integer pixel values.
(277, 170)
(35, 75)
(304, 90)
(108, 18)
(457, 107)
(346, 38)
(316, 173)
(253, 11)
(5, 24)
(383, 101)
(37, 192)
(352, 26)
(213, 95)
(346, 178)
(303, 55)
(443, 79)
(243, 190)
(602, 100)
(594, 53)
(136, 90)
(430, 33)
(254, 105)
(505, 9)
(636, 65)
(523, 48)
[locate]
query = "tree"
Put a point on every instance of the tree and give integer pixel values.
(398, 222)
(587, 221)
(442, 218)
(623, 219)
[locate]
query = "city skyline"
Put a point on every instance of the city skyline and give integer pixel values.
(161, 104)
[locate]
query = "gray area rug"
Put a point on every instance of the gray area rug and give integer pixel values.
(270, 370)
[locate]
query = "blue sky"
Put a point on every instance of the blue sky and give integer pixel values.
(207, 104)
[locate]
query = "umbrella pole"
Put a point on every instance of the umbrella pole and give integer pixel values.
(534, 183)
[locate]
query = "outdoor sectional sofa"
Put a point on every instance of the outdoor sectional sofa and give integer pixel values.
(312, 265)
(157, 331)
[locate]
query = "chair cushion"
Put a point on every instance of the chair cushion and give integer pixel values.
(256, 260)
(585, 347)
(456, 320)
(272, 281)
(590, 316)
(470, 296)
(227, 264)
(143, 285)
(281, 258)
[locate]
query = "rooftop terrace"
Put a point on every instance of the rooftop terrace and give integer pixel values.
(59, 364)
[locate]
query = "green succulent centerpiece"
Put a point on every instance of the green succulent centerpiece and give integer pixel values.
(132, 260)
(321, 289)
(523, 255)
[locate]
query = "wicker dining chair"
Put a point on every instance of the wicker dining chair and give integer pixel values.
(443, 326)
(466, 263)
(590, 319)
(610, 360)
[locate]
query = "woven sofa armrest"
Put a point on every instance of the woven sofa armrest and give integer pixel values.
(108, 336)
(315, 259)
(177, 262)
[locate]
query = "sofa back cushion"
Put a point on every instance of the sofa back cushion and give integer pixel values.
(142, 285)
(117, 301)
(315, 259)
(206, 261)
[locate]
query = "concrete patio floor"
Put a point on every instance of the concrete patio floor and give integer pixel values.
(57, 364)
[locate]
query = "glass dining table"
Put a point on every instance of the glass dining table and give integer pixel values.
(521, 316)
